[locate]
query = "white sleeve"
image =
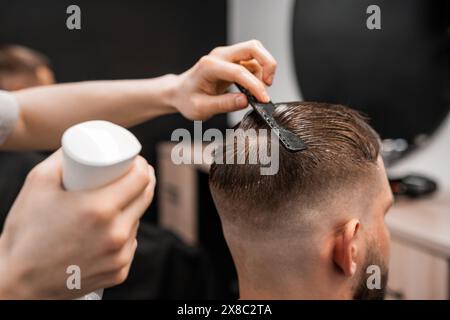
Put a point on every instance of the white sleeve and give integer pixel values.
(9, 113)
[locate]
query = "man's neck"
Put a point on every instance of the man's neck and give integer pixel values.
(294, 291)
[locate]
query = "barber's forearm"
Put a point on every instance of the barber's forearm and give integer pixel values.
(198, 94)
(47, 111)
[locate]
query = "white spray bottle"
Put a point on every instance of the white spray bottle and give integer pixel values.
(96, 153)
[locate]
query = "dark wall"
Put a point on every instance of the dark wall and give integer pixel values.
(118, 39)
(121, 39)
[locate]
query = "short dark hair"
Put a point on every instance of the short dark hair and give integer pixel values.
(341, 149)
(19, 59)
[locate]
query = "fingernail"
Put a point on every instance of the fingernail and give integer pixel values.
(241, 101)
(266, 97)
(270, 79)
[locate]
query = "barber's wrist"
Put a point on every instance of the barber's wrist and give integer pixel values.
(168, 88)
(11, 284)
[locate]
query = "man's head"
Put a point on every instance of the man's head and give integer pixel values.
(21, 68)
(312, 229)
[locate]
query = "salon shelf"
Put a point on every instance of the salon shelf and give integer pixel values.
(420, 249)
(424, 223)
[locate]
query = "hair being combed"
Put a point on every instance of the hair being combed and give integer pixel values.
(341, 149)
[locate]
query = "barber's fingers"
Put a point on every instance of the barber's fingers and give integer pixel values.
(137, 207)
(115, 267)
(217, 69)
(254, 67)
(252, 49)
(133, 212)
(49, 170)
(227, 102)
(119, 276)
(120, 193)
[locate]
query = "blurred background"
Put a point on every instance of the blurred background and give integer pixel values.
(399, 76)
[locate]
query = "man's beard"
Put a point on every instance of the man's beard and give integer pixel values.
(362, 291)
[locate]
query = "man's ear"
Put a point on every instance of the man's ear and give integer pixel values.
(345, 249)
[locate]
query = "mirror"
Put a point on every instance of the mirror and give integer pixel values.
(398, 75)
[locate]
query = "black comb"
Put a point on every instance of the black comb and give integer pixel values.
(288, 139)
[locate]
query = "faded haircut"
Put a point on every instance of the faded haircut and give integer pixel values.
(342, 151)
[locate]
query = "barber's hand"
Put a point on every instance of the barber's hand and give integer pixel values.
(48, 229)
(201, 91)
